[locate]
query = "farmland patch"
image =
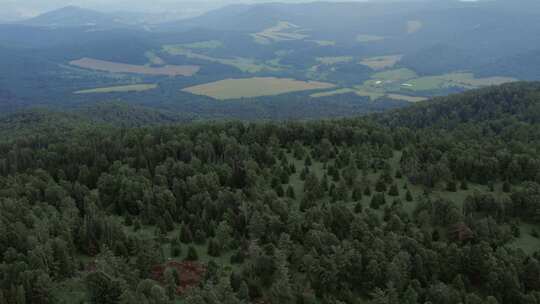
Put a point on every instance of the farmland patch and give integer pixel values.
(115, 67)
(255, 87)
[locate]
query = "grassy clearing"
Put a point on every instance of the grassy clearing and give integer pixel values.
(414, 26)
(368, 38)
(332, 93)
(381, 62)
(282, 31)
(243, 64)
(526, 241)
(254, 87)
(115, 67)
(334, 60)
(120, 89)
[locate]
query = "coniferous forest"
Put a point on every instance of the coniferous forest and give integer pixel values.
(435, 203)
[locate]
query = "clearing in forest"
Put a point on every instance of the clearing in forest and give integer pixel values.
(120, 89)
(254, 87)
(116, 67)
(282, 31)
(381, 62)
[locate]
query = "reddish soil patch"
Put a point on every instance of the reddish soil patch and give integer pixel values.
(115, 67)
(191, 274)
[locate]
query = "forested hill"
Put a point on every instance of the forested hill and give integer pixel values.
(519, 101)
(415, 206)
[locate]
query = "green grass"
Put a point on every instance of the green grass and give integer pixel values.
(120, 89)
(254, 87)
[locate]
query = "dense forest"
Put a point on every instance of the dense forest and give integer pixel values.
(435, 203)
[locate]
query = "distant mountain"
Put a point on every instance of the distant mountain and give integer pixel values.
(73, 16)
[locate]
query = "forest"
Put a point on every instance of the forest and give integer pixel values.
(435, 203)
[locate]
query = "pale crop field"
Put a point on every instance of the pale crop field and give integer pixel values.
(120, 89)
(254, 87)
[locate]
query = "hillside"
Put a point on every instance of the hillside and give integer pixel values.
(436, 203)
(72, 16)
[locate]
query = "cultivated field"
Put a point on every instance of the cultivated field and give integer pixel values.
(461, 80)
(334, 60)
(406, 97)
(115, 67)
(381, 62)
(120, 89)
(243, 64)
(368, 38)
(254, 87)
(282, 31)
(414, 26)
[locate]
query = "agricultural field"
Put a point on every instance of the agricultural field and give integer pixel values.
(210, 44)
(120, 89)
(243, 64)
(406, 97)
(153, 58)
(115, 67)
(255, 87)
(460, 80)
(334, 60)
(324, 42)
(332, 93)
(368, 38)
(414, 26)
(381, 62)
(282, 31)
(404, 84)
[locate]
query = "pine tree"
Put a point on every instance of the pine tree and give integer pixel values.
(394, 191)
(192, 254)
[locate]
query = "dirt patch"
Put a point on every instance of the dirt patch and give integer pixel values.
(190, 273)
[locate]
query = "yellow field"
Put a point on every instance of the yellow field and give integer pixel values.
(115, 67)
(381, 62)
(254, 87)
(120, 89)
